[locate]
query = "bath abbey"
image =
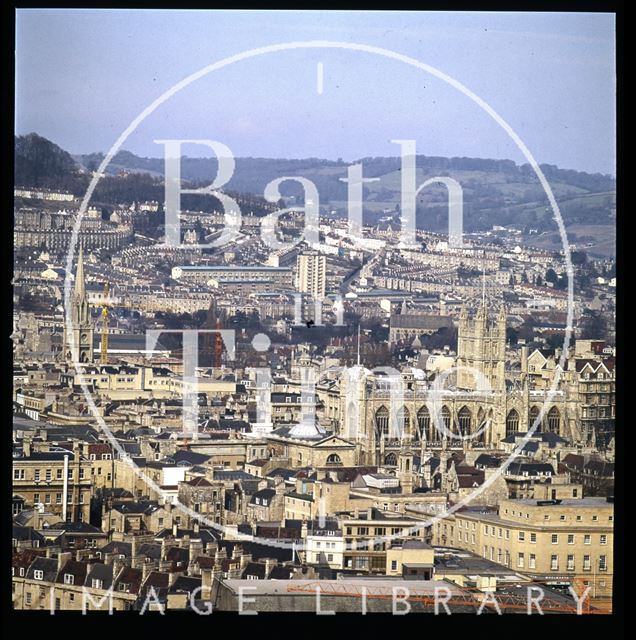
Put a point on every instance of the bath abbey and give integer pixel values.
(484, 395)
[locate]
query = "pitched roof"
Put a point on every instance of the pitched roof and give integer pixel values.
(129, 580)
(47, 565)
(26, 533)
(185, 584)
(76, 569)
(198, 482)
(256, 569)
(100, 571)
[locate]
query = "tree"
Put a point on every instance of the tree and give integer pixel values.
(578, 258)
(31, 303)
(594, 327)
(551, 276)
(562, 282)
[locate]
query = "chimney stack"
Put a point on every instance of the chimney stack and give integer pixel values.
(62, 559)
(270, 563)
(118, 567)
(245, 558)
(206, 583)
(279, 486)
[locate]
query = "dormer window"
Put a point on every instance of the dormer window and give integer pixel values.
(69, 578)
(38, 574)
(96, 583)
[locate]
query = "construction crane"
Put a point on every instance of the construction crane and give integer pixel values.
(218, 345)
(104, 342)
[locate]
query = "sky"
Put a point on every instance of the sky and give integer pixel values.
(82, 76)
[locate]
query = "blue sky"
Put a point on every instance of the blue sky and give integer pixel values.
(83, 75)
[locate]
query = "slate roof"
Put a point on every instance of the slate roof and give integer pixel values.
(257, 550)
(220, 474)
(100, 571)
(160, 581)
(118, 548)
(532, 468)
(189, 457)
(130, 579)
(141, 507)
(150, 550)
(205, 534)
(198, 482)
(256, 569)
(281, 472)
(264, 495)
(76, 569)
(77, 527)
(281, 573)
(185, 584)
(179, 557)
(26, 533)
(47, 565)
(485, 460)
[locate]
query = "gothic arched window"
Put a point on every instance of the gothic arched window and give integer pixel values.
(532, 418)
(404, 421)
(382, 422)
(424, 424)
(446, 419)
(512, 422)
(465, 421)
(554, 420)
(390, 460)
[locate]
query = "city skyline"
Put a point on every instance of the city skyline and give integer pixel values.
(250, 384)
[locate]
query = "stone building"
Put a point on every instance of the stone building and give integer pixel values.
(559, 540)
(78, 337)
(380, 408)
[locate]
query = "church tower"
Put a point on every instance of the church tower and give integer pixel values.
(405, 469)
(481, 345)
(78, 337)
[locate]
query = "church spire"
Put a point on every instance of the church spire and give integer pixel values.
(80, 282)
(78, 338)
